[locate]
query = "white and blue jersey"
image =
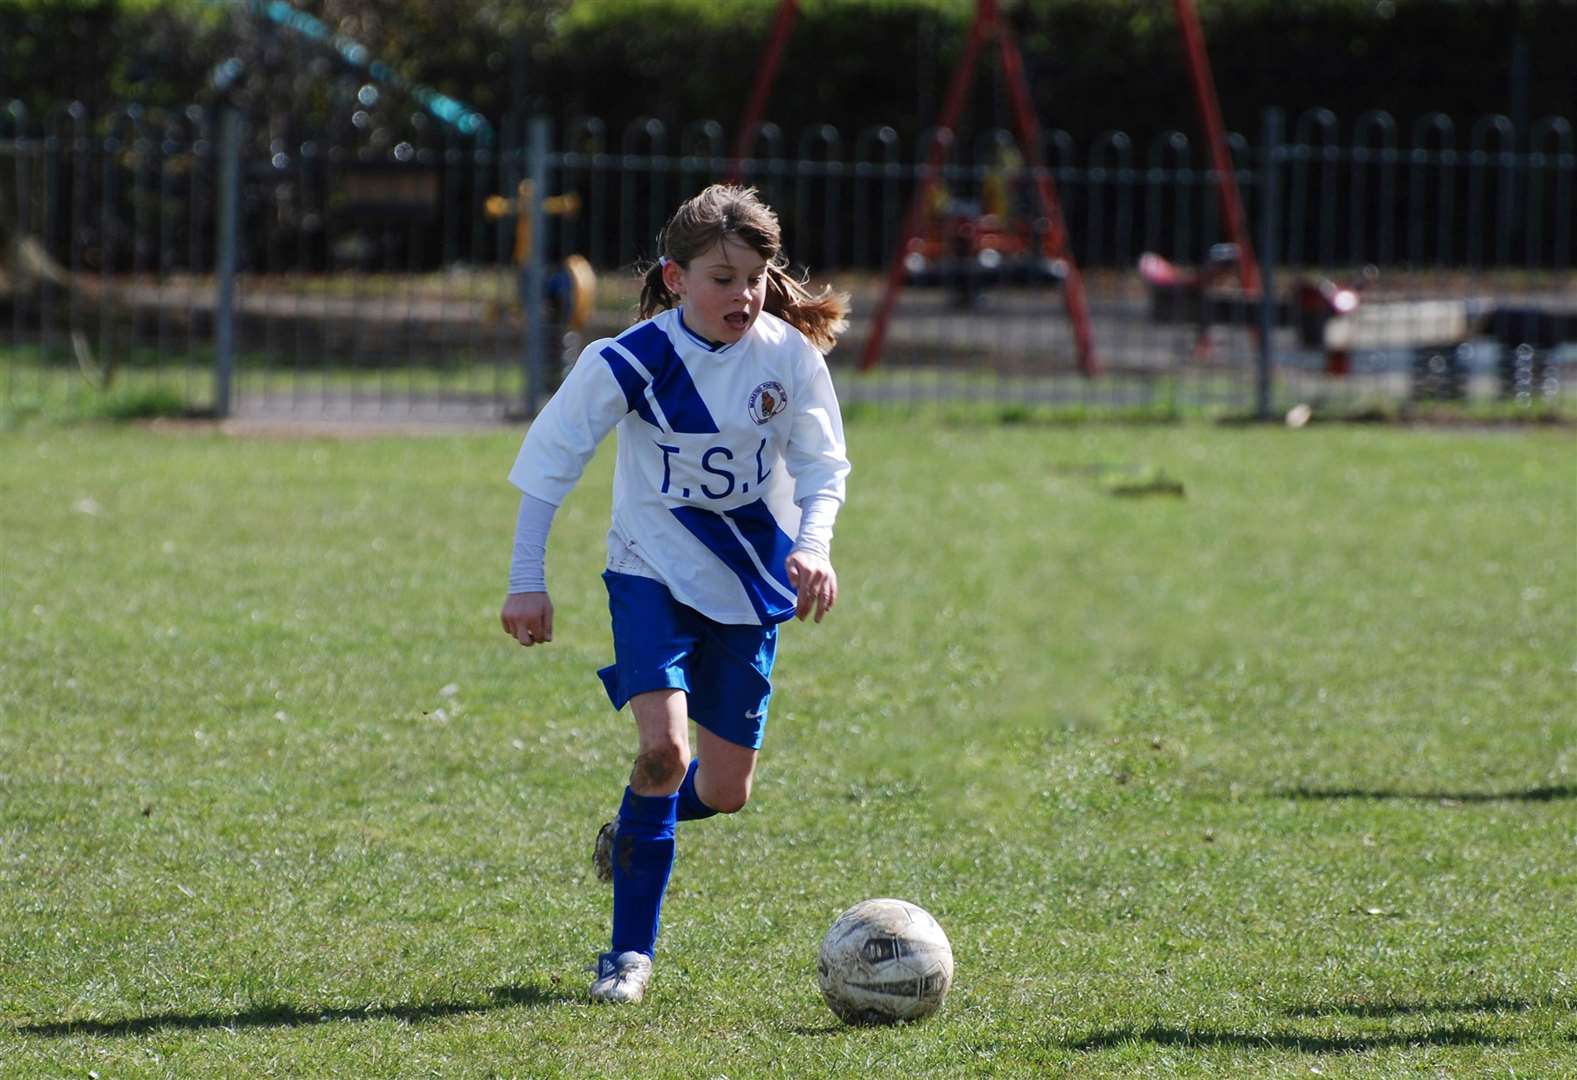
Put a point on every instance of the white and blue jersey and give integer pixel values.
(718, 446)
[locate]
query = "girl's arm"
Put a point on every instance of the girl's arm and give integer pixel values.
(528, 613)
(817, 460)
(816, 456)
(554, 453)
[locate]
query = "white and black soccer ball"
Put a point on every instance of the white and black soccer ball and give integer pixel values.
(883, 961)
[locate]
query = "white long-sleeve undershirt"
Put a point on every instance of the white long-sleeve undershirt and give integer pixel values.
(526, 565)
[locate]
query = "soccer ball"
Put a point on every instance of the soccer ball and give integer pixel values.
(883, 961)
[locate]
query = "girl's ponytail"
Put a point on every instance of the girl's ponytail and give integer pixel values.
(655, 294)
(820, 316)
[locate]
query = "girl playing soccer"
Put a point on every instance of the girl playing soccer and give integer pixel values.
(729, 474)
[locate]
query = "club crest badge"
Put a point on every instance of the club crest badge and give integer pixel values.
(767, 400)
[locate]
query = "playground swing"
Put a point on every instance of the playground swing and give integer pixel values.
(967, 245)
(938, 239)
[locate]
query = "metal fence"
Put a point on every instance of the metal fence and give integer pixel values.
(380, 269)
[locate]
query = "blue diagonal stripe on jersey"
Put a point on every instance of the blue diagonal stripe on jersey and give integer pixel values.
(769, 605)
(632, 384)
(671, 383)
(760, 530)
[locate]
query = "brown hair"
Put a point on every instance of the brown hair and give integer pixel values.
(724, 210)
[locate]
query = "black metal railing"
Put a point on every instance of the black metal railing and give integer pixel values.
(377, 267)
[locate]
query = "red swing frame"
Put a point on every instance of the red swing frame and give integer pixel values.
(988, 23)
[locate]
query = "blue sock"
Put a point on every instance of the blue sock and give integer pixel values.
(691, 807)
(643, 857)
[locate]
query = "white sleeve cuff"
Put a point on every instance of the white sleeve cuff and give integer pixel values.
(816, 515)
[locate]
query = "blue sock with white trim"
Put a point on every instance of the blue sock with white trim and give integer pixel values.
(643, 859)
(691, 808)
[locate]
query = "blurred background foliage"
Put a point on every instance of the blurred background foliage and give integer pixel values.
(1094, 65)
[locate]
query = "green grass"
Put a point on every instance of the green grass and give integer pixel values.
(1273, 777)
(34, 394)
(45, 387)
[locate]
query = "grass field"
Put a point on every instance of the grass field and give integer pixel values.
(1273, 778)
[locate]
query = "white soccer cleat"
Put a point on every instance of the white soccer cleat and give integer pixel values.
(621, 977)
(602, 851)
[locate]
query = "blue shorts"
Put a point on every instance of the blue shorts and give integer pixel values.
(661, 644)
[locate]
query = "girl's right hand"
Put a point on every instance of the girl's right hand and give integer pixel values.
(528, 618)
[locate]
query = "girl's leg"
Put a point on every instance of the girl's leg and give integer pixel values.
(720, 777)
(643, 852)
(662, 724)
(734, 668)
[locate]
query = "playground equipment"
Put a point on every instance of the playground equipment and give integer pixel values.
(956, 230)
(571, 291)
(988, 23)
(1441, 338)
(1340, 318)
(960, 246)
(1438, 337)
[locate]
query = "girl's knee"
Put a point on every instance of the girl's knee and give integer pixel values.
(729, 798)
(660, 768)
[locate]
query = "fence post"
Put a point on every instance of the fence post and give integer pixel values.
(225, 259)
(533, 274)
(1269, 221)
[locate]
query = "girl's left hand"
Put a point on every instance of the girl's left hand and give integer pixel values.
(816, 582)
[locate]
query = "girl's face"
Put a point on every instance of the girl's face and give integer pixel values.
(723, 289)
